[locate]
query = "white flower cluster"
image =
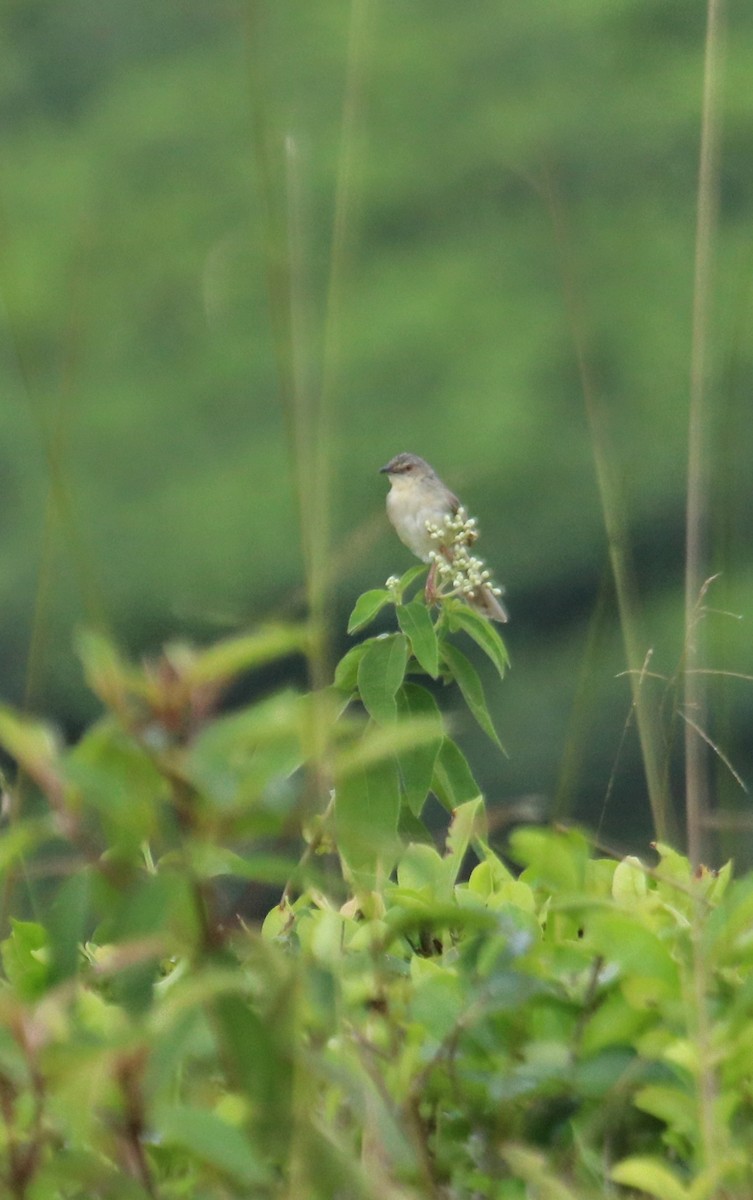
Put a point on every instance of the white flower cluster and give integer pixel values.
(458, 572)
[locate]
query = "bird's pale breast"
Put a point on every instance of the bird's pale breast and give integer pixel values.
(409, 508)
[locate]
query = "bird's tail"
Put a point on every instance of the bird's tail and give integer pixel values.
(485, 602)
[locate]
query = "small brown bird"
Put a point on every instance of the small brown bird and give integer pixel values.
(430, 520)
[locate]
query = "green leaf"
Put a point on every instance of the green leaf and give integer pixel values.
(236, 759)
(79, 1172)
(412, 829)
(117, 780)
(613, 1023)
(257, 1052)
(209, 861)
(630, 882)
(415, 621)
(491, 876)
(417, 762)
(346, 671)
(106, 672)
(379, 742)
(367, 809)
(23, 837)
(726, 933)
(453, 781)
(380, 674)
(133, 986)
(227, 659)
(34, 746)
(650, 972)
(366, 608)
(68, 923)
(675, 1106)
(208, 1138)
(148, 911)
(555, 859)
(483, 632)
(26, 958)
(437, 1004)
(533, 1167)
(468, 821)
(409, 577)
(422, 868)
(649, 1175)
(467, 679)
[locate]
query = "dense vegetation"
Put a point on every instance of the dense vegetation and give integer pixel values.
(410, 1021)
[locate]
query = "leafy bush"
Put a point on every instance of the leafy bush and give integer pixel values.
(408, 1021)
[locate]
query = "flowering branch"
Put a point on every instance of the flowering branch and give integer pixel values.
(454, 570)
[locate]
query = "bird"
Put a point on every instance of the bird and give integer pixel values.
(430, 520)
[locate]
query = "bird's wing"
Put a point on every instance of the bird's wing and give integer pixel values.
(454, 502)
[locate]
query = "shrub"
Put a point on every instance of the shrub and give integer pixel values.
(409, 1021)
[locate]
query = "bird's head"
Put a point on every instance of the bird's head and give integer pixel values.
(408, 467)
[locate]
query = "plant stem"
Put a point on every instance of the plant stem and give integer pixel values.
(695, 687)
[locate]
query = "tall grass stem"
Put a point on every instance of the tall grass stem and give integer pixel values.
(696, 550)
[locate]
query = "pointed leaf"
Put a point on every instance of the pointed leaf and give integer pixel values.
(409, 577)
(468, 820)
(107, 673)
(366, 608)
(483, 632)
(208, 861)
(34, 746)
(346, 671)
(467, 679)
(417, 762)
(229, 658)
(644, 959)
(453, 781)
(384, 741)
(67, 923)
(415, 621)
(367, 809)
(649, 1175)
(556, 859)
(213, 1141)
(26, 958)
(380, 674)
(23, 837)
(237, 757)
(257, 1053)
(675, 1106)
(115, 778)
(533, 1167)
(423, 869)
(412, 828)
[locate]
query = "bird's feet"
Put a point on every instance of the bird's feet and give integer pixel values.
(430, 591)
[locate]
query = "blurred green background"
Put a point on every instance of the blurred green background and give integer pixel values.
(148, 476)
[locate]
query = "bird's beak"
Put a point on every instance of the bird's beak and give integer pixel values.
(384, 470)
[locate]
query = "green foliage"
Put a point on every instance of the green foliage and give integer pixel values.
(414, 1018)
